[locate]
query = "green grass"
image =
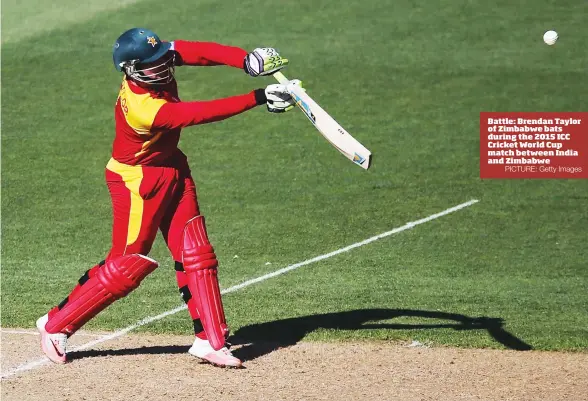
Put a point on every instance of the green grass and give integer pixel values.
(21, 20)
(407, 79)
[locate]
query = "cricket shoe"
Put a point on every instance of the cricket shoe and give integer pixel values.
(222, 358)
(53, 345)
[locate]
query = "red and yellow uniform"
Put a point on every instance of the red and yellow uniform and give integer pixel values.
(148, 176)
(152, 189)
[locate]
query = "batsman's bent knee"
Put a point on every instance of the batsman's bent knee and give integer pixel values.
(197, 252)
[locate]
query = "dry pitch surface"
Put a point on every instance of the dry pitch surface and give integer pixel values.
(146, 367)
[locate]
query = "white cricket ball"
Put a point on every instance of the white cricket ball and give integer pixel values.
(550, 37)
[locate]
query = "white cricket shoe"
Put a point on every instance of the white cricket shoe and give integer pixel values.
(53, 345)
(223, 357)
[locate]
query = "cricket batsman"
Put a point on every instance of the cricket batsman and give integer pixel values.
(152, 188)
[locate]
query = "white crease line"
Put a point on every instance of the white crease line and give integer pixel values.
(33, 364)
(36, 333)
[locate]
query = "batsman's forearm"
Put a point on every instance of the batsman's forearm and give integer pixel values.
(209, 53)
(185, 114)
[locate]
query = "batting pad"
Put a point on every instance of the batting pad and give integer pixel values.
(114, 280)
(200, 265)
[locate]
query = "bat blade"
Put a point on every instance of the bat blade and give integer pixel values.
(331, 130)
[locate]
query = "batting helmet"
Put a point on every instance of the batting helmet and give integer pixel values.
(143, 56)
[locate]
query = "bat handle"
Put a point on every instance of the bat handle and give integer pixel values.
(280, 77)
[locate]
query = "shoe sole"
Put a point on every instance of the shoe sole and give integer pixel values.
(217, 364)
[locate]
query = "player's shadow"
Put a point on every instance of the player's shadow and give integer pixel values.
(263, 338)
(260, 339)
(156, 349)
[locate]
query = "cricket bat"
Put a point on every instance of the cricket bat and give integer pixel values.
(327, 126)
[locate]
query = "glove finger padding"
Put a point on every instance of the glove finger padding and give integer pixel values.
(264, 61)
(278, 98)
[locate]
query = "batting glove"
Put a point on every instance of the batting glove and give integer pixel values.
(279, 99)
(276, 97)
(263, 61)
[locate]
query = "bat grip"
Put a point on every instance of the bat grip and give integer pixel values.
(280, 77)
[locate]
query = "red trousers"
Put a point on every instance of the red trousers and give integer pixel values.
(146, 199)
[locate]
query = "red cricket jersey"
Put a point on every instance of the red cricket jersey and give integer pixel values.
(149, 121)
